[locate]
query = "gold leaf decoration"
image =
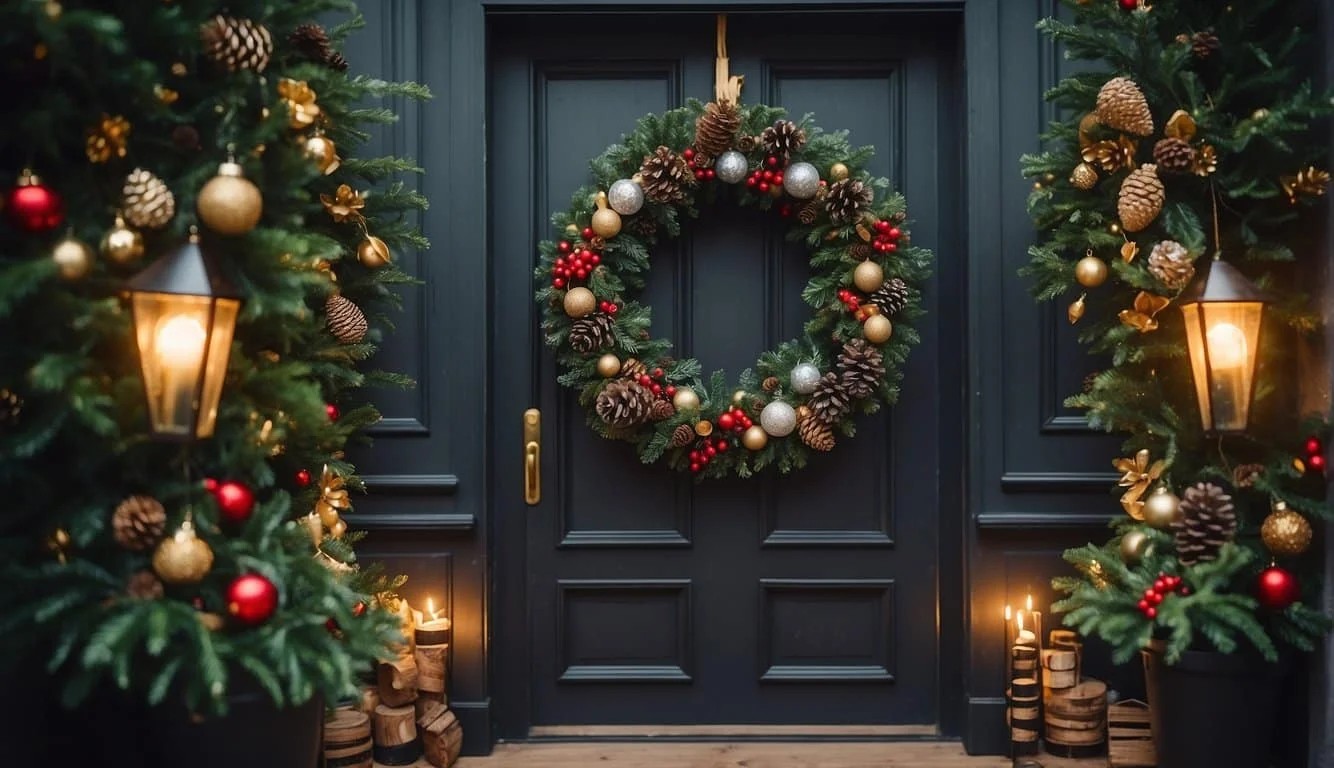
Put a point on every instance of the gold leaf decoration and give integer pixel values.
(1308, 182)
(345, 204)
(1180, 126)
(299, 97)
(1141, 317)
(1137, 474)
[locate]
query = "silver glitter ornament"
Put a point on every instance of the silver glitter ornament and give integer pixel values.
(778, 419)
(805, 378)
(731, 166)
(625, 197)
(801, 180)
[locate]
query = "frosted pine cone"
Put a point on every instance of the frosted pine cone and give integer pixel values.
(1172, 264)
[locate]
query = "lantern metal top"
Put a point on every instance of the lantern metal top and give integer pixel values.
(1221, 282)
(186, 271)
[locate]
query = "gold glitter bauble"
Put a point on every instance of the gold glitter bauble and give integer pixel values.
(877, 329)
(580, 302)
(838, 172)
(321, 151)
(229, 203)
(1161, 508)
(609, 365)
(183, 558)
(685, 399)
(1285, 532)
(73, 258)
(868, 276)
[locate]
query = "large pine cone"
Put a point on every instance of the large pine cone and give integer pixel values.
(715, 129)
(830, 400)
(237, 44)
(1174, 155)
(1204, 44)
(624, 403)
(683, 435)
(1171, 263)
(846, 199)
(346, 320)
(862, 366)
(1207, 522)
(146, 200)
(1122, 106)
(592, 333)
(138, 523)
(312, 42)
(816, 434)
(783, 139)
(1141, 198)
(891, 297)
(665, 177)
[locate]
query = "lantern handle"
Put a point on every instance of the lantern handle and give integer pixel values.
(1218, 242)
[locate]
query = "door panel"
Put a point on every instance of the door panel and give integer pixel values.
(808, 599)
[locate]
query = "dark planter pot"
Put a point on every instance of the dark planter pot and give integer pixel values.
(253, 734)
(1212, 709)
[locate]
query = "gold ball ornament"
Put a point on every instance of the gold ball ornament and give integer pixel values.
(606, 222)
(1285, 532)
(580, 302)
(73, 258)
(571, 231)
(183, 558)
(877, 329)
(685, 399)
(839, 172)
(868, 277)
(121, 245)
(230, 204)
(373, 253)
(609, 365)
(1134, 545)
(739, 397)
(1091, 271)
(1161, 508)
(321, 151)
(755, 438)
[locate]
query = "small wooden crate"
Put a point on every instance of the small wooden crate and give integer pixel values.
(1129, 737)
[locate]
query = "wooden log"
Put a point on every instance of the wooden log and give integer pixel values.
(1028, 712)
(1096, 724)
(1064, 678)
(442, 735)
(1057, 660)
(426, 699)
(1025, 667)
(347, 739)
(369, 699)
(431, 667)
(1075, 737)
(396, 741)
(1086, 700)
(1024, 688)
(397, 681)
(1065, 639)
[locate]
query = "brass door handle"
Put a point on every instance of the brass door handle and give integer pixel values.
(532, 456)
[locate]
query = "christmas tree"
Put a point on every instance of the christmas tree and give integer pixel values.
(1187, 161)
(193, 271)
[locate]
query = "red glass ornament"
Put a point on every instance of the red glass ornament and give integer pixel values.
(331, 411)
(251, 599)
(726, 421)
(1313, 446)
(235, 501)
(303, 477)
(1128, 5)
(587, 233)
(1277, 588)
(1316, 462)
(33, 206)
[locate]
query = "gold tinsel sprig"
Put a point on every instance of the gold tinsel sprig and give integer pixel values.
(107, 139)
(345, 204)
(1308, 182)
(299, 97)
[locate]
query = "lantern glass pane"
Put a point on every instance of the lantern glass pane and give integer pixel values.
(215, 371)
(1232, 335)
(1199, 366)
(172, 333)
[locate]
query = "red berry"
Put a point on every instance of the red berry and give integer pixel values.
(699, 175)
(303, 477)
(1185, 591)
(582, 274)
(210, 484)
(771, 161)
(891, 247)
(768, 176)
(563, 246)
(331, 411)
(596, 259)
(764, 186)
(703, 459)
(558, 283)
(613, 309)
(671, 391)
(1160, 585)
(694, 455)
(750, 181)
(1157, 598)
(644, 380)
(1151, 612)
(726, 421)
(1317, 462)
(1313, 446)
(587, 233)
(688, 154)
(658, 373)
(694, 467)
(1128, 5)
(710, 174)
(722, 446)
(1143, 605)
(778, 179)
(657, 389)
(710, 451)
(882, 226)
(784, 210)
(1149, 593)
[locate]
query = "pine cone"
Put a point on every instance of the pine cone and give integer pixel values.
(683, 435)
(769, 384)
(1207, 522)
(816, 434)
(715, 128)
(846, 199)
(624, 403)
(811, 211)
(862, 366)
(144, 585)
(830, 400)
(783, 139)
(1172, 264)
(891, 297)
(1141, 198)
(237, 44)
(592, 333)
(138, 523)
(747, 143)
(1122, 106)
(633, 369)
(1174, 155)
(662, 409)
(1245, 475)
(312, 42)
(860, 251)
(146, 200)
(1204, 44)
(665, 177)
(346, 320)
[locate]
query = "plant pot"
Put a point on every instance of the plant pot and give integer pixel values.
(254, 734)
(1212, 709)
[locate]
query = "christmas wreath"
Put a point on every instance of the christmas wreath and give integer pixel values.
(863, 290)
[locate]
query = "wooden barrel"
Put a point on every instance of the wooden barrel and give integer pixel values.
(347, 739)
(396, 741)
(1076, 717)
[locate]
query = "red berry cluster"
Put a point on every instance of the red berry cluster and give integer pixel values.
(767, 176)
(1163, 586)
(1315, 454)
(609, 307)
(850, 300)
(709, 447)
(886, 237)
(574, 263)
(734, 420)
(652, 380)
(701, 174)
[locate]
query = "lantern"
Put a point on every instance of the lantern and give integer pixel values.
(184, 317)
(1223, 312)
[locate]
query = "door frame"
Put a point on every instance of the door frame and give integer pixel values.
(977, 176)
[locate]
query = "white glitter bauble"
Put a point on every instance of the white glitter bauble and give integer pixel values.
(778, 419)
(731, 166)
(805, 378)
(801, 180)
(625, 197)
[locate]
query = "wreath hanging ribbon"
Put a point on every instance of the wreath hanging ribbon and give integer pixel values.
(800, 396)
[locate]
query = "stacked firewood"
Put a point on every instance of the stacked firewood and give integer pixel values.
(1074, 708)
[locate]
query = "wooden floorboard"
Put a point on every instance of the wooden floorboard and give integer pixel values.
(750, 755)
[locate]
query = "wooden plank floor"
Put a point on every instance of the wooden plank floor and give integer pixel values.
(750, 755)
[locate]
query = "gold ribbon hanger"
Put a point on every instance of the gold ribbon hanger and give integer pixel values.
(726, 87)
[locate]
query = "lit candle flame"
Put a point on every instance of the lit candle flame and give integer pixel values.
(1007, 613)
(1028, 604)
(430, 609)
(1019, 620)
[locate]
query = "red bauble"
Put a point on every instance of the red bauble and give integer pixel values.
(1277, 588)
(1313, 446)
(331, 411)
(303, 477)
(359, 608)
(235, 501)
(1128, 5)
(33, 206)
(1317, 462)
(251, 599)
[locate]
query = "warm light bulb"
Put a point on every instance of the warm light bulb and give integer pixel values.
(1028, 603)
(180, 341)
(1227, 346)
